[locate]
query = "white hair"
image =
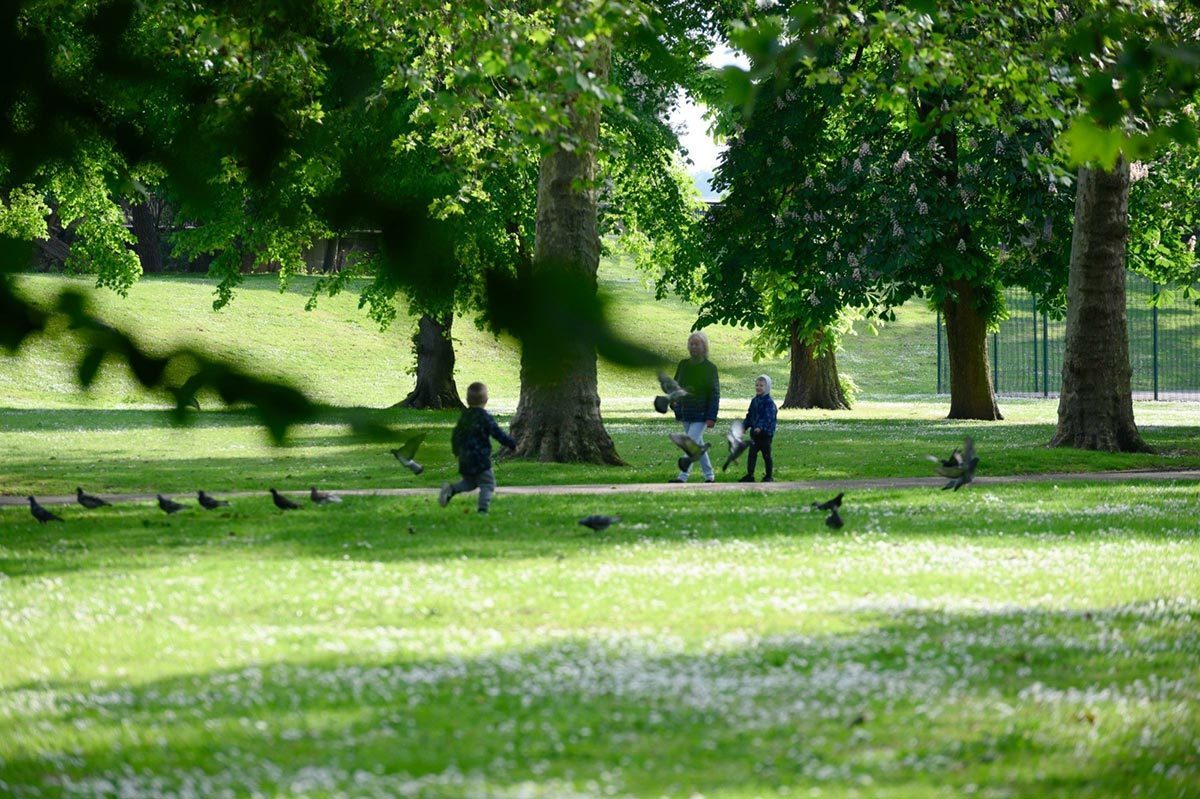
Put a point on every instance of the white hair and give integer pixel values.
(702, 337)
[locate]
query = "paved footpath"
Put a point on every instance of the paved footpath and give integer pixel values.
(663, 488)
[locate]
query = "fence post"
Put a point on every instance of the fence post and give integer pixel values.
(996, 362)
(1045, 354)
(1154, 340)
(938, 325)
(1033, 302)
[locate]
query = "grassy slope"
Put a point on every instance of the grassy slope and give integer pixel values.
(1006, 642)
(337, 354)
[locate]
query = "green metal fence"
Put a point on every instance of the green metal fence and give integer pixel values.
(1027, 351)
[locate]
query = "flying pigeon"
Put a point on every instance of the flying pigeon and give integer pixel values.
(41, 514)
(959, 467)
(169, 505)
(671, 389)
(282, 502)
(830, 504)
(693, 450)
(322, 498)
(211, 503)
(408, 451)
(599, 522)
(834, 521)
(88, 501)
(737, 443)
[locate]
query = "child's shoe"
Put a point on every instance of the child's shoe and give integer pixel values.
(445, 494)
(747, 478)
(768, 479)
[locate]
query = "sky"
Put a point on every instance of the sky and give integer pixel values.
(688, 120)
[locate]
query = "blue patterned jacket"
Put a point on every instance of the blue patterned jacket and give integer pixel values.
(471, 441)
(762, 414)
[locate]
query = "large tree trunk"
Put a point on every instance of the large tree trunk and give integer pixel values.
(1095, 406)
(148, 242)
(813, 382)
(971, 395)
(558, 415)
(435, 366)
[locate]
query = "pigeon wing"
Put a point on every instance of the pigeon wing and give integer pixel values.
(685, 443)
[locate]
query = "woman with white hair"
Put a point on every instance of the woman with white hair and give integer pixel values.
(697, 410)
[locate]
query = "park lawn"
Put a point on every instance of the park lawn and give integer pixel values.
(339, 356)
(1002, 641)
(52, 451)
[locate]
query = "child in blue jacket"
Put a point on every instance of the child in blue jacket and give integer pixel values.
(760, 425)
(471, 442)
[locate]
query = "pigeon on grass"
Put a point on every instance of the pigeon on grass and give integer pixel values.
(41, 514)
(88, 501)
(169, 506)
(210, 503)
(737, 443)
(959, 467)
(322, 498)
(671, 389)
(407, 451)
(282, 502)
(599, 521)
(830, 504)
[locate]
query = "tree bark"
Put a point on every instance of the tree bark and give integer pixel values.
(558, 414)
(1095, 406)
(435, 387)
(813, 381)
(148, 241)
(971, 394)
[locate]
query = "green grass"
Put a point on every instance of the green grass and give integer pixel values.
(125, 450)
(1010, 641)
(341, 358)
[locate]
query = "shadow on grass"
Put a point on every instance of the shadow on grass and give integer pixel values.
(545, 528)
(1022, 703)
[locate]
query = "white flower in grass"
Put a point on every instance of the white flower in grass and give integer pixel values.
(962, 246)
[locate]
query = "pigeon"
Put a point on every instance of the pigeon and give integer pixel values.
(282, 502)
(88, 501)
(322, 498)
(830, 504)
(959, 467)
(672, 390)
(834, 521)
(169, 505)
(737, 443)
(599, 522)
(408, 451)
(693, 450)
(41, 514)
(211, 503)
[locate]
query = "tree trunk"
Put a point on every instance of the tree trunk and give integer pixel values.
(558, 415)
(148, 242)
(435, 366)
(1095, 406)
(971, 395)
(813, 382)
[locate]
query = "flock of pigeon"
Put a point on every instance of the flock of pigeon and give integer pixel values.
(959, 469)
